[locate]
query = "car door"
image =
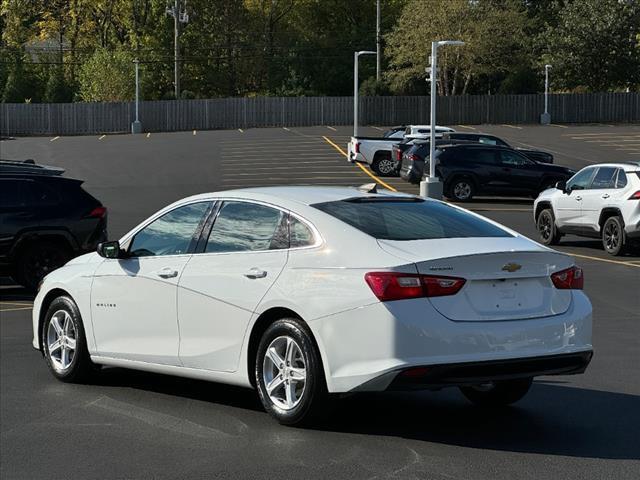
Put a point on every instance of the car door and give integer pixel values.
(517, 172)
(567, 205)
(221, 287)
(17, 212)
(133, 299)
(481, 163)
(596, 196)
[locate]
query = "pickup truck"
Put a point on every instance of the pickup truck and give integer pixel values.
(376, 151)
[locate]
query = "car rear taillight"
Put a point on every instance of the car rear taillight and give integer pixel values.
(389, 286)
(635, 196)
(414, 158)
(569, 279)
(357, 147)
(98, 212)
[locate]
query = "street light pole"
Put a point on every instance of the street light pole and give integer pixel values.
(136, 126)
(378, 53)
(356, 55)
(545, 118)
(431, 186)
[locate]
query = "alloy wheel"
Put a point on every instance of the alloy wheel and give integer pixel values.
(612, 236)
(462, 190)
(61, 340)
(386, 166)
(284, 372)
(544, 226)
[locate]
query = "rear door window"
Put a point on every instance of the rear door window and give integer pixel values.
(409, 219)
(478, 155)
(14, 193)
(605, 178)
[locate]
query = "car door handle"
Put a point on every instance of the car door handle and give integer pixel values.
(578, 199)
(167, 272)
(606, 195)
(255, 273)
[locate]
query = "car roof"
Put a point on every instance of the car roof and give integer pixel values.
(28, 166)
(299, 195)
(627, 166)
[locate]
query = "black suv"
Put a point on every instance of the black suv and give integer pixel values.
(45, 220)
(471, 169)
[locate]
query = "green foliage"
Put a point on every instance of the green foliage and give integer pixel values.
(108, 76)
(14, 89)
(373, 88)
(595, 45)
(56, 90)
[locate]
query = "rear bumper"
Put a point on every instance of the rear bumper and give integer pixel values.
(459, 374)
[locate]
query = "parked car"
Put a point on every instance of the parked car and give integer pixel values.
(397, 150)
(600, 201)
(474, 169)
(376, 151)
(302, 292)
(45, 219)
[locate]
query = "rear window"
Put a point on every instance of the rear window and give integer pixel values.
(394, 219)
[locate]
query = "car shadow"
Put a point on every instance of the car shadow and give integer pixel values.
(632, 252)
(554, 419)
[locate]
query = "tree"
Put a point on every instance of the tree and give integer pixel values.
(108, 76)
(14, 89)
(493, 32)
(595, 45)
(56, 90)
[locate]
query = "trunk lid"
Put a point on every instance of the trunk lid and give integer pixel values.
(506, 278)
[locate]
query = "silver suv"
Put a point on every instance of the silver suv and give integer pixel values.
(601, 201)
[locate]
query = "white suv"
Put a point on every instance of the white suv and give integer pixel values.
(601, 201)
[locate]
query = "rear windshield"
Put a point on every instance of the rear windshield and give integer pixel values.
(393, 219)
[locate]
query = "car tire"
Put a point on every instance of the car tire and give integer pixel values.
(613, 237)
(64, 343)
(383, 165)
(36, 260)
(497, 394)
(461, 189)
(547, 229)
(289, 374)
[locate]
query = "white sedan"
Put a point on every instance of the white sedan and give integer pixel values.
(305, 292)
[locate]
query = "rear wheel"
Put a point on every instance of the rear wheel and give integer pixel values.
(38, 259)
(613, 239)
(497, 394)
(547, 230)
(461, 189)
(289, 374)
(64, 343)
(383, 165)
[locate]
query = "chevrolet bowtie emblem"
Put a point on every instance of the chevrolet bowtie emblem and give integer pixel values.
(511, 267)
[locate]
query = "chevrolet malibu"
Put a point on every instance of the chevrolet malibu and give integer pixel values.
(307, 292)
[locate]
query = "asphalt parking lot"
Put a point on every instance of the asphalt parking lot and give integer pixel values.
(138, 425)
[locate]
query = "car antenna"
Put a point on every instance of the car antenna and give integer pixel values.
(368, 188)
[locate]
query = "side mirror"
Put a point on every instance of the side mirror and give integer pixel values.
(562, 185)
(109, 249)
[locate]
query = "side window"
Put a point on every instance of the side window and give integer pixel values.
(243, 226)
(171, 234)
(478, 155)
(13, 194)
(581, 180)
(488, 140)
(43, 195)
(511, 159)
(621, 182)
(605, 178)
(299, 234)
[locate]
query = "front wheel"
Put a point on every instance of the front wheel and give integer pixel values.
(547, 229)
(289, 373)
(613, 238)
(64, 343)
(497, 394)
(461, 190)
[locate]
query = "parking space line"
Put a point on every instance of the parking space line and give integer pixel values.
(54, 139)
(19, 304)
(511, 126)
(15, 309)
(148, 134)
(285, 128)
(556, 125)
(101, 137)
(386, 185)
(241, 130)
(467, 126)
(331, 128)
(607, 260)
(378, 128)
(194, 132)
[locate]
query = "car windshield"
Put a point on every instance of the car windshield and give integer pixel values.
(409, 219)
